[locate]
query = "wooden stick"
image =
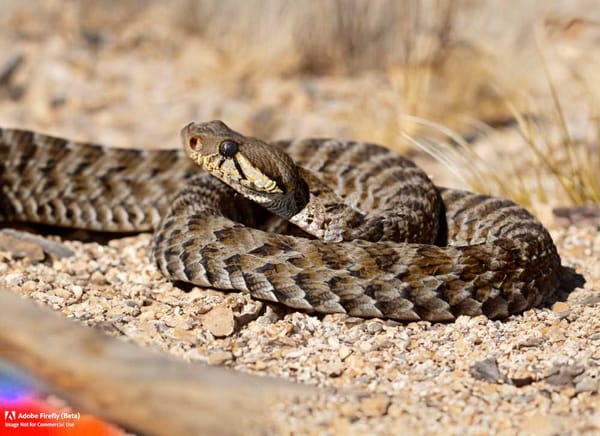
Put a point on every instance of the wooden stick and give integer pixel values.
(142, 391)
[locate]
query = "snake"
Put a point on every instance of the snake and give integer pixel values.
(318, 225)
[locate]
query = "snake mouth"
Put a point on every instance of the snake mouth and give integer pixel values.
(238, 171)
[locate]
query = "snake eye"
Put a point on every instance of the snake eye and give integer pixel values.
(228, 148)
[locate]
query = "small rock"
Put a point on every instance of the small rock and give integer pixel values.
(219, 321)
(586, 384)
(19, 249)
(34, 247)
(560, 307)
(29, 286)
(97, 278)
(344, 352)
(250, 312)
(564, 375)
(109, 328)
(184, 335)
(161, 327)
(147, 315)
(522, 377)
(532, 341)
(219, 357)
(487, 370)
(592, 300)
(9, 67)
(14, 279)
(332, 369)
(539, 424)
(374, 327)
(375, 406)
(77, 292)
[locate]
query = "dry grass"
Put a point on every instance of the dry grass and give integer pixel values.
(329, 36)
(553, 167)
(445, 61)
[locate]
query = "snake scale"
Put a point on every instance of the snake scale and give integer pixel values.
(321, 225)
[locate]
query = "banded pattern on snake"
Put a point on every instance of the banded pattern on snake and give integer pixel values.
(320, 225)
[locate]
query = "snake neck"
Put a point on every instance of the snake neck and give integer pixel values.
(326, 216)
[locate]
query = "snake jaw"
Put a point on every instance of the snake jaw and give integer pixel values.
(238, 171)
(254, 177)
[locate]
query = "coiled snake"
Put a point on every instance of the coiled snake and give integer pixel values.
(319, 224)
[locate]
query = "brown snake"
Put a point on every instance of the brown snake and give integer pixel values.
(319, 224)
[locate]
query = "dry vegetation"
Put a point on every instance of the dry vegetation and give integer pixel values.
(351, 67)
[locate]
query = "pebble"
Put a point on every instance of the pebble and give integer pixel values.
(375, 406)
(219, 321)
(344, 352)
(29, 286)
(332, 369)
(540, 425)
(587, 384)
(77, 291)
(487, 370)
(561, 307)
(219, 357)
(98, 278)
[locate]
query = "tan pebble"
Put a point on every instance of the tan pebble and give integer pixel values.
(560, 306)
(147, 315)
(594, 421)
(205, 308)
(219, 357)
(79, 266)
(219, 321)
(539, 424)
(184, 335)
(333, 343)
(341, 425)
(19, 248)
(522, 377)
(259, 365)
(250, 312)
(14, 279)
(97, 278)
(461, 346)
(365, 346)
(214, 293)
(375, 406)
(347, 410)
(62, 293)
(344, 352)
(77, 292)
(332, 369)
(29, 286)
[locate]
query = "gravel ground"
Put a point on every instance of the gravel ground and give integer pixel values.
(536, 373)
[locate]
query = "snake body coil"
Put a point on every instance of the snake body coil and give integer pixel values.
(319, 225)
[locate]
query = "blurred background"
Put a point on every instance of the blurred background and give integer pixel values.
(516, 83)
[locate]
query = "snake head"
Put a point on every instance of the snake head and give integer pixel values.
(259, 171)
